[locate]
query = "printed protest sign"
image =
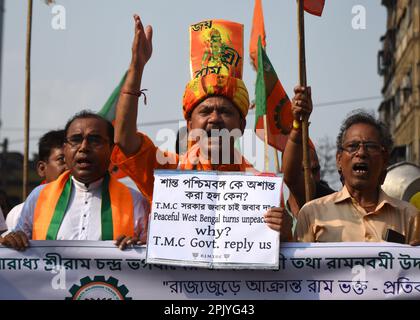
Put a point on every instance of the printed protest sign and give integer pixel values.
(213, 219)
(97, 270)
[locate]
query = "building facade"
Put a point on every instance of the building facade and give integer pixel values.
(399, 64)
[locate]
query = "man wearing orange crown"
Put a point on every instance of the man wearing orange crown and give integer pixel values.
(215, 105)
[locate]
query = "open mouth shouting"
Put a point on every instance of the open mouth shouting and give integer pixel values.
(84, 163)
(361, 169)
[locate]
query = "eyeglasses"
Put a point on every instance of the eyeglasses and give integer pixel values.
(370, 147)
(94, 141)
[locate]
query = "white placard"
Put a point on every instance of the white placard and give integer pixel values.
(213, 219)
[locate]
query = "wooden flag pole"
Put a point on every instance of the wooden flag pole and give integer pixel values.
(27, 100)
(276, 160)
(266, 162)
(302, 82)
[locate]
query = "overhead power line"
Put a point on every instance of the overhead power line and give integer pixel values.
(158, 123)
(333, 103)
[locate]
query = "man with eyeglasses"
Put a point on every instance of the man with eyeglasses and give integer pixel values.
(361, 211)
(85, 202)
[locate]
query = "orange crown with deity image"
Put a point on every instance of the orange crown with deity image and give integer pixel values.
(216, 64)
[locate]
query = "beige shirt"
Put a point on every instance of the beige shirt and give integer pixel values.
(339, 218)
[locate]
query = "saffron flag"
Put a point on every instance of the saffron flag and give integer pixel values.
(270, 97)
(314, 6)
(258, 30)
(272, 100)
(109, 109)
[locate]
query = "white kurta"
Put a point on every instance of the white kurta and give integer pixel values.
(82, 219)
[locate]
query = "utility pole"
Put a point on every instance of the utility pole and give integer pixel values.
(3, 164)
(27, 100)
(1, 46)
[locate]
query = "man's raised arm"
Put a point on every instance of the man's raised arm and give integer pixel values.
(293, 153)
(126, 114)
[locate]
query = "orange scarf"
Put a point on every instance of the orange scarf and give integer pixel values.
(121, 205)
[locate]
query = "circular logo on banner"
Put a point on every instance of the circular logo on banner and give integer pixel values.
(98, 289)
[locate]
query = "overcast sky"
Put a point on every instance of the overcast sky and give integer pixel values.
(78, 67)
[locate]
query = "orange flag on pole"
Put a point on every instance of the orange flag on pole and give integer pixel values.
(270, 97)
(258, 30)
(314, 6)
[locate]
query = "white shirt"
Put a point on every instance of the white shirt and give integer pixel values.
(3, 226)
(13, 216)
(82, 219)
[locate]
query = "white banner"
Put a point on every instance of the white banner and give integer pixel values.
(213, 219)
(99, 270)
